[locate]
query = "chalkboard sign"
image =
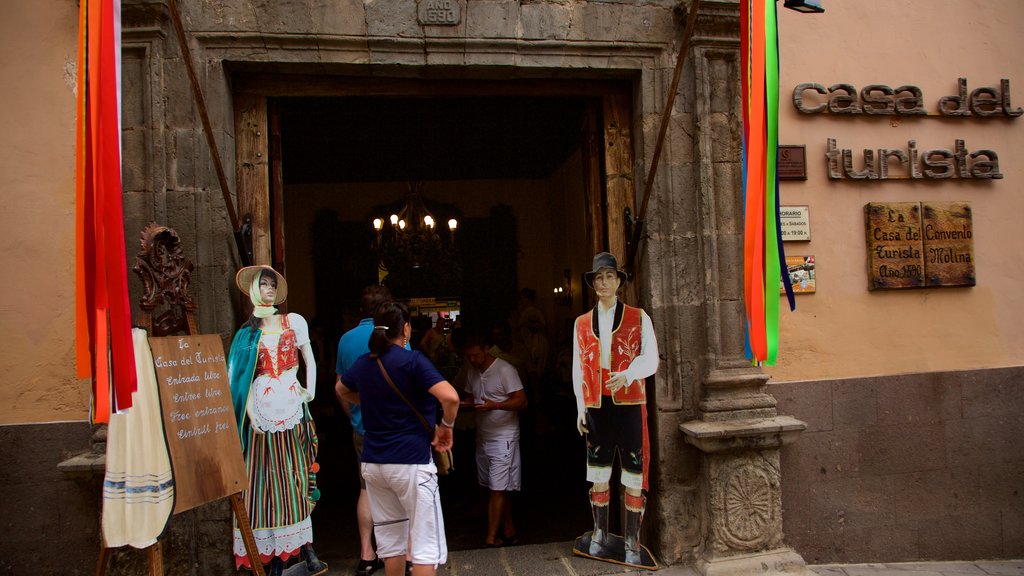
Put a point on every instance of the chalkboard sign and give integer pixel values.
(199, 421)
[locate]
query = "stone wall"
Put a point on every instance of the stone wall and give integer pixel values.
(51, 519)
(909, 467)
(172, 180)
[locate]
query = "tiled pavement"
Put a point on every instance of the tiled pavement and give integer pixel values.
(556, 559)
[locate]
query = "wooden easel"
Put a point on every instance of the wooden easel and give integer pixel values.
(166, 275)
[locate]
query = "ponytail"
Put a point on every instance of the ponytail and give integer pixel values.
(388, 324)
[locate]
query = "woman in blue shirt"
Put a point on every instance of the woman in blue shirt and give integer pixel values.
(401, 479)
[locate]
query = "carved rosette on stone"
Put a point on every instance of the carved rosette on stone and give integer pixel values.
(746, 503)
(739, 434)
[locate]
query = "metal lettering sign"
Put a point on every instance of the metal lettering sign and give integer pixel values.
(796, 223)
(439, 12)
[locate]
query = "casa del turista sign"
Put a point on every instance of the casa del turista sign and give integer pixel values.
(912, 162)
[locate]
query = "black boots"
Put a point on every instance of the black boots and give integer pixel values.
(276, 566)
(313, 564)
(597, 538)
(632, 536)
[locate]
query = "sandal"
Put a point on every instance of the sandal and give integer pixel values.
(512, 540)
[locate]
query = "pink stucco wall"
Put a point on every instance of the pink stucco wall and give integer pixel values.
(843, 330)
(37, 112)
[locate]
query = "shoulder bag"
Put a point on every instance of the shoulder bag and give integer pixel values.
(442, 458)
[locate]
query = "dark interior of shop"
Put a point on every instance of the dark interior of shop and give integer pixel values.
(345, 144)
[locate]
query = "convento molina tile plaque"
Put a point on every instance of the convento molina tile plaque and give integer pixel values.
(895, 245)
(948, 244)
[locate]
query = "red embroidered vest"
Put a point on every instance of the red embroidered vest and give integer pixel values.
(287, 353)
(626, 345)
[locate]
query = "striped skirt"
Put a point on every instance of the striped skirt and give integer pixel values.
(280, 497)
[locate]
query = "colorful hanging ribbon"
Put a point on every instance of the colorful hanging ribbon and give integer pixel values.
(103, 348)
(764, 261)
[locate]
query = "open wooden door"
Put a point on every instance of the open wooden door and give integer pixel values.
(253, 171)
(609, 189)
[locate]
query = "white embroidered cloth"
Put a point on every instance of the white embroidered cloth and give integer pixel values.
(138, 489)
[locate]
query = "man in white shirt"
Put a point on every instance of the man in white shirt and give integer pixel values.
(614, 351)
(498, 395)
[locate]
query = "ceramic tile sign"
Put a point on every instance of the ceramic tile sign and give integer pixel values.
(895, 245)
(948, 244)
(199, 421)
(801, 275)
(795, 223)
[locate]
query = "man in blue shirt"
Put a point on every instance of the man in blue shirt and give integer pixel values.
(352, 345)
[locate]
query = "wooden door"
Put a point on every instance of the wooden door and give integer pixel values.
(609, 179)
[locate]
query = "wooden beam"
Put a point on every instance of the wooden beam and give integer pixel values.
(619, 186)
(253, 171)
(300, 85)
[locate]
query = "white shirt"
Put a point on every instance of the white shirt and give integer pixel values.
(496, 383)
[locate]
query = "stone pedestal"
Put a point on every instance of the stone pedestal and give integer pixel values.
(739, 435)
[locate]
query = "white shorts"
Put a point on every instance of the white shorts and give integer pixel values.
(497, 464)
(406, 506)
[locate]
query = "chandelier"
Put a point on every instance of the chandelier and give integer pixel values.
(410, 247)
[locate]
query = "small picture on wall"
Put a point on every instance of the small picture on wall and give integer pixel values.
(801, 274)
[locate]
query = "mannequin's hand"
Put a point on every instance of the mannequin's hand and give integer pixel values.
(616, 382)
(581, 421)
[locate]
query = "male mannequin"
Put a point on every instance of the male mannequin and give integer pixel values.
(614, 351)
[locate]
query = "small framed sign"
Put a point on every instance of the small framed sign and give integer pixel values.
(796, 223)
(792, 162)
(801, 275)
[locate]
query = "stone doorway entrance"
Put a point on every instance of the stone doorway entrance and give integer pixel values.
(538, 159)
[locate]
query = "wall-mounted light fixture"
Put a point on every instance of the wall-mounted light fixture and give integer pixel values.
(805, 6)
(563, 293)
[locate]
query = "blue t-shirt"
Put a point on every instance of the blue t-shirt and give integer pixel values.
(352, 345)
(394, 435)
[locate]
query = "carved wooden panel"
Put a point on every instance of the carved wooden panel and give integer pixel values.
(948, 244)
(166, 275)
(895, 249)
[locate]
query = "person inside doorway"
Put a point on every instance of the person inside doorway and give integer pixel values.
(532, 340)
(614, 351)
(351, 346)
(398, 389)
(498, 396)
(435, 343)
(503, 346)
